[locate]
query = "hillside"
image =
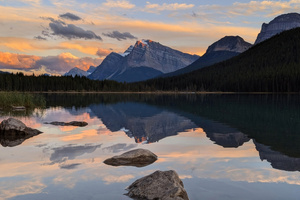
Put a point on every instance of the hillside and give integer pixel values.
(271, 66)
(223, 49)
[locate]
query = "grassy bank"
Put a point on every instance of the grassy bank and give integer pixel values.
(28, 100)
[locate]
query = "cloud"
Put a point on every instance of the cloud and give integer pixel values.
(169, 7)
(118, 4)
(70, 152)
(70, 16)
(120, 36)
(102, 52)
(120, 147)
(269, 8)
(17, 61)
(64, 62)
(70, 31)
(69, 166)
(40, 38)
(53, 20)
(51, 64)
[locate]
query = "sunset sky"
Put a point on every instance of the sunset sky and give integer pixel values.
(53, 36)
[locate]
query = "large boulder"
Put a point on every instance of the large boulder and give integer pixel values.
(12, 124)
(72, 123)
(159, 185)
(13, 132)
(137, 158)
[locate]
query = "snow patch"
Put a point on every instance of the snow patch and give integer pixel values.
(127, 52)
(145, 42)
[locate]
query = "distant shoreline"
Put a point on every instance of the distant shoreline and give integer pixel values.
(157, 92)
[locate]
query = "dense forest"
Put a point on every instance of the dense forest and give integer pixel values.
(19, 82)
(271, 66)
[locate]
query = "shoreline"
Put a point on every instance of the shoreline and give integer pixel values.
(157, 92)
(145, 92)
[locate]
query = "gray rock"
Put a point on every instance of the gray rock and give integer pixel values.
(12, 124)
(137, 158)
(72, 123)
(159, 185)
(281, 23)
(13, 132)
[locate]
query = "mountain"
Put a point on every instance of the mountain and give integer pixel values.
(91, 69)
(79, 72)
(277, 25)
(145, 60)
(76, 72)
(271, 66)
(224, 49)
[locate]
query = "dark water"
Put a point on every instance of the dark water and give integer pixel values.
(222, 146)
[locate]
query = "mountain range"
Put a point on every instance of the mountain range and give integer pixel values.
(147, 59)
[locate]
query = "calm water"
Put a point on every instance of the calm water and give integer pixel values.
(222, 146)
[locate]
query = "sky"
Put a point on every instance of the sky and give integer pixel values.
(53, 36)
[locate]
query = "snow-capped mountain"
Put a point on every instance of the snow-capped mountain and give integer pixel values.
(145, 60)
(79, 72)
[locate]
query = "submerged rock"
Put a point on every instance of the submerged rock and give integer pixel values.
(137, 158)
(72, 123)
(13, 132)
(159, 185)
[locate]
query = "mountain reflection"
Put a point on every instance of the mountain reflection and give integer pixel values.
(273, 121)
(145, 123)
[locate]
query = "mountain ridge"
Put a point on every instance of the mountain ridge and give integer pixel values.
(157, 58)
(223, 49)
(277, 25)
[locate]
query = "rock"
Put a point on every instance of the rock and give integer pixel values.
(12, 124)
(72, 123)
(281, 23)
(137, 158)
(13, 132)
(159, 185)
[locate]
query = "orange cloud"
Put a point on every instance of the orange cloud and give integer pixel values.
(51, 64)
(118, 4)
(171, 7)
(17, 61)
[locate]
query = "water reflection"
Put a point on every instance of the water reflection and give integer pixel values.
(206, 139)
(145, 123)
(12, 138)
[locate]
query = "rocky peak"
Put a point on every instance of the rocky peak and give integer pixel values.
(229, 43)
(281, 23)
(157, 56)
(145, 59)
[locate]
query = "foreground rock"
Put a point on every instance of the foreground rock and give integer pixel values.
(13, 132)
(72, 123)
(159, 185)
(137, 158)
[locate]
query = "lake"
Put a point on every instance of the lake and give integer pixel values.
(222, 146)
